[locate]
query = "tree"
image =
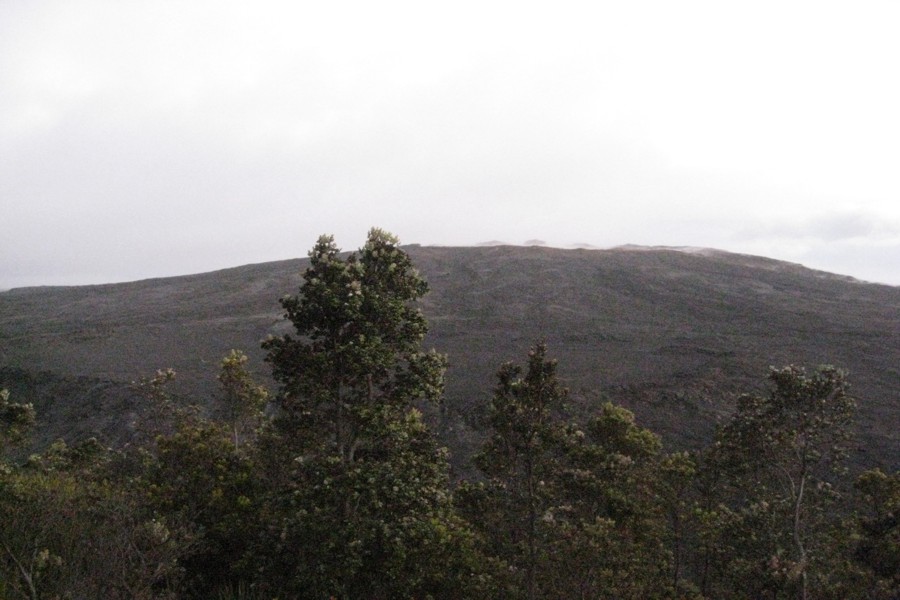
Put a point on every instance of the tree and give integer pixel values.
(357, 359)
(676, 476)
(199, 481)
(15, 421)
(783, 452)
(192, 472)
(878, 548)
(610, 485)
(571, 510)
(243, 400)
(518, 459)
(365, 505)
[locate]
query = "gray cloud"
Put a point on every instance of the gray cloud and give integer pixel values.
(158, 139)
(835, 226)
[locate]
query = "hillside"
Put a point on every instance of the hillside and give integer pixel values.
(672, 334)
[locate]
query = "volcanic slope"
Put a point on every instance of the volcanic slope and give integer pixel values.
(673, 334)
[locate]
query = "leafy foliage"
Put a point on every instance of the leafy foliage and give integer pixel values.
(878, 548)
(15, 421)
(782, 454)
(519, 460)
(243, 400)
(364, 507)
(68, 530)
(570, 509)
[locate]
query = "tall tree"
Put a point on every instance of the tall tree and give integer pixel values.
(365, 507)
(518, 459)
(357, 355)
(784, 452)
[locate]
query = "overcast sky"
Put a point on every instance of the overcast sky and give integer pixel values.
(154, 138)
